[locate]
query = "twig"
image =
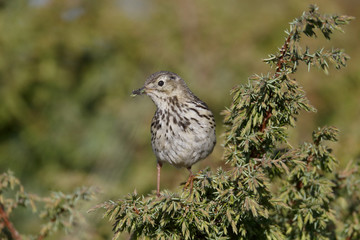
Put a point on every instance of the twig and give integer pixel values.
(5, 219)
(136, 210)
(283, 51)
(279, 65)
(266, 119)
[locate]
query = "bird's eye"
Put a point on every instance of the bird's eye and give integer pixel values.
(172, 77)
(161, 83)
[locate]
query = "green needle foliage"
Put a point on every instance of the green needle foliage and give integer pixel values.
(270, 189)
(57, 212)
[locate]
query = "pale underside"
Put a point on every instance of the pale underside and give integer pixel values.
(182, 133)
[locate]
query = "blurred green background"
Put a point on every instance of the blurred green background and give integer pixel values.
(67, 68)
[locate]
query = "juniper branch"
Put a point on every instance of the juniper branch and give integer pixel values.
(239, 203)
(57, 211)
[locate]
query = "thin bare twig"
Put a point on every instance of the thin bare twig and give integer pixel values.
(5, 219)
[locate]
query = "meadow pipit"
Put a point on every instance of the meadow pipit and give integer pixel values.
(183, 127)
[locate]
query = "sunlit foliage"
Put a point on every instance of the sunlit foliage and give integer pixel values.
(270, 190)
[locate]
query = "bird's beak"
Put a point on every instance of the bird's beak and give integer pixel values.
(138, 92)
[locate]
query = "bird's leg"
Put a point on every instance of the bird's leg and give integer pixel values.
(159, 165)
(190, 180)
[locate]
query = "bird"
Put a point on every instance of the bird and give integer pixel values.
(182, 128)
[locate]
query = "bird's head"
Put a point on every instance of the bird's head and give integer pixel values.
(162, 85)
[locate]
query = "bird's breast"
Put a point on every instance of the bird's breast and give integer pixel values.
(182, 133)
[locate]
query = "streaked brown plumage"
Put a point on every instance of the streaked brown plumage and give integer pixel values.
(183, 127)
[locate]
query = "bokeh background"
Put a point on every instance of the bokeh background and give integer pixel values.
(67, 68)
